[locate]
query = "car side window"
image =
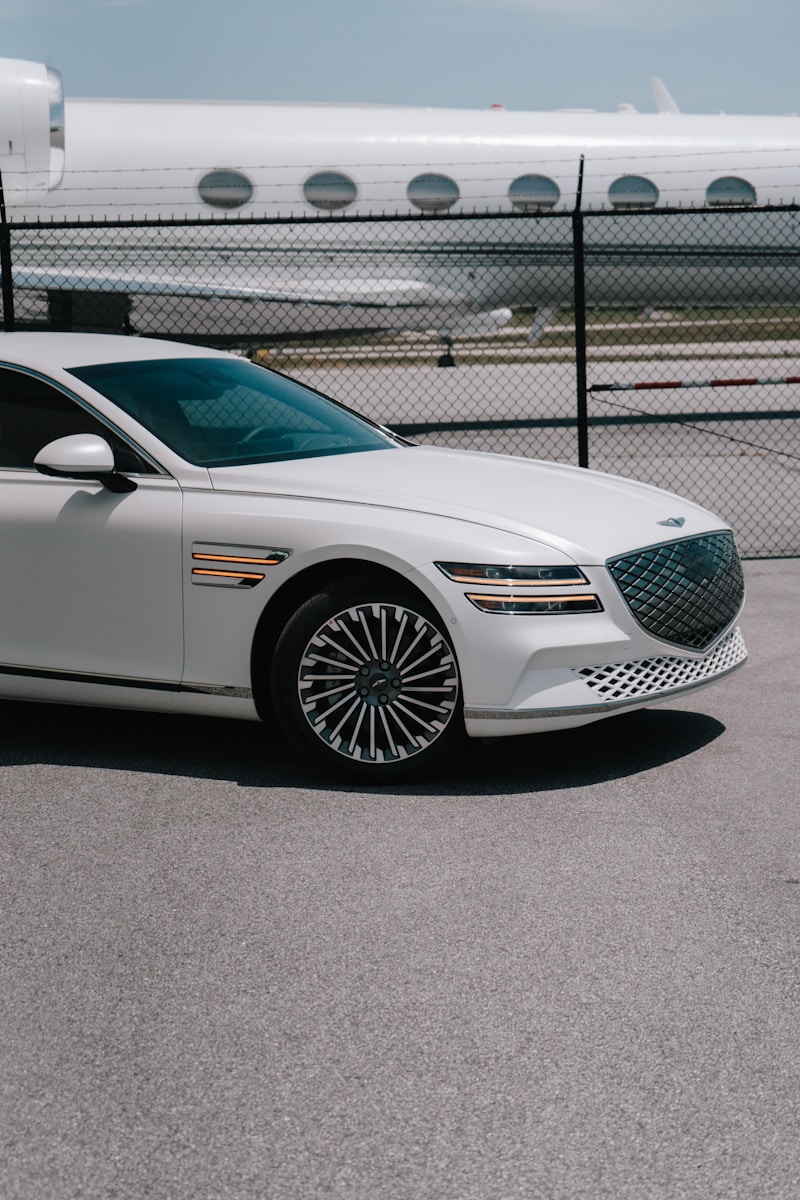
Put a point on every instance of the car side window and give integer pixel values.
(32, 413)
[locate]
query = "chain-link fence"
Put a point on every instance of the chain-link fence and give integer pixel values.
(661, 345)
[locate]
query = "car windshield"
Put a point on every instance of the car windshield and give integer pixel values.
(218, 412)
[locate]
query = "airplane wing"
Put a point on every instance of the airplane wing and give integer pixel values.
(344, 293)
(182, 298)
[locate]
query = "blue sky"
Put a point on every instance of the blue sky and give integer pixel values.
(729, 55)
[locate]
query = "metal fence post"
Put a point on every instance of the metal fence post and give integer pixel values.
(579, 265)
(6, 282)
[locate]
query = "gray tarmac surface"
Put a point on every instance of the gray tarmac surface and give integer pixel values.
(568, 968)
(747, 471)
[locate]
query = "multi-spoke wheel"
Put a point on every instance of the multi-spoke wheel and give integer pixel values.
(368, 680)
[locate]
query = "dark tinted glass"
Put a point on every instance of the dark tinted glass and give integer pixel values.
(33, 413)
(218, 412)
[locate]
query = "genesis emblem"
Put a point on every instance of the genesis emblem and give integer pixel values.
(676, 522)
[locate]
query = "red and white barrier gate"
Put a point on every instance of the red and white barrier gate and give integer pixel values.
(690, 383)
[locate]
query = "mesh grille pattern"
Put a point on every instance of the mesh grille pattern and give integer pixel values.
(649, 676)
(685, 592)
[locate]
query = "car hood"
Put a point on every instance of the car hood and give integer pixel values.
(585, 514)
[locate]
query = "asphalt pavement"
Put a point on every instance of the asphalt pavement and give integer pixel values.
(567, 968)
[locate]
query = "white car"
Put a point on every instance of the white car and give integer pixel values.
(185, 531)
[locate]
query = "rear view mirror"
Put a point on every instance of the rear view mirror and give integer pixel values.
(82, 456)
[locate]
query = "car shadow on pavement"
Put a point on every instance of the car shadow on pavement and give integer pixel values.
(249, 755)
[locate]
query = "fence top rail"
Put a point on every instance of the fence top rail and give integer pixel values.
(228, 221)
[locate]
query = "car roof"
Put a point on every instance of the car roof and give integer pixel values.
(61, 351)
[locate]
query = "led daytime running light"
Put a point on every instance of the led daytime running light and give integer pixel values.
(512, 576)
(541, 605)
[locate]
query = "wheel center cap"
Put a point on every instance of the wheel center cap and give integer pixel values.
(379, 683)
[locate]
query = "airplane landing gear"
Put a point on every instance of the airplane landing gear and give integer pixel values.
(446, 359)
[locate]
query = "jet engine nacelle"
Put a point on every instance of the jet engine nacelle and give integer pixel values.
(31, 129)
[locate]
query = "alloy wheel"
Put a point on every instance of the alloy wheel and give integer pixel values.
(378, 683)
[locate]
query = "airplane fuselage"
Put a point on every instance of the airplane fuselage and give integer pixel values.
(147, 158)
(163, 161)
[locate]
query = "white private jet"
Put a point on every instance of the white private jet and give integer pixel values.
(124, 160)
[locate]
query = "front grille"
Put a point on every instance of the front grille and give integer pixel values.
(685, 592)
(649, 676)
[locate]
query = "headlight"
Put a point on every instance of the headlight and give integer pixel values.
(517, 578)
(512, 576)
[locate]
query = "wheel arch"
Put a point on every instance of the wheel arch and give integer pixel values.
(288, 598)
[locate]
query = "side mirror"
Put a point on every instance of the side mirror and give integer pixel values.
(82, 456)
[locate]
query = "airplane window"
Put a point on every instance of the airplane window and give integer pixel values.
(225, 189)
(730, 191)
(432, 193)
(632, 191)
(534, 193)
(329, 190)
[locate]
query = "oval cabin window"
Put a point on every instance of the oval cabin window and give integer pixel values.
(633, 191)
(534, 193)
(433, 193)
(329, 190)
(730, 191)
(225, 189)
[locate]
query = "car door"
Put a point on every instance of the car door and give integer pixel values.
(91, 579)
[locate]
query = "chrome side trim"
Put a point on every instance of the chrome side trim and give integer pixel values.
(125, 681)
(213, 689)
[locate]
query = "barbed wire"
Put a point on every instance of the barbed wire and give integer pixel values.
(532, 157)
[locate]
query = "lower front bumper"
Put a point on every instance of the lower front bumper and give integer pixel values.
(604, 690)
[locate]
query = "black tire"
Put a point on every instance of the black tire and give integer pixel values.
(365, 680)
